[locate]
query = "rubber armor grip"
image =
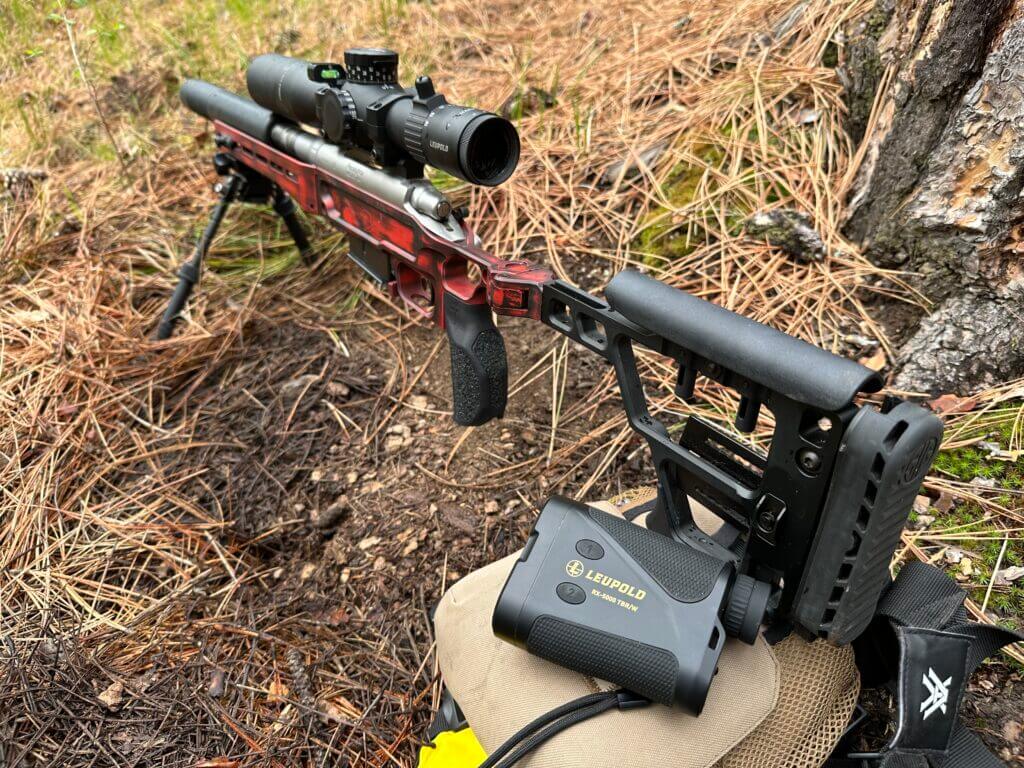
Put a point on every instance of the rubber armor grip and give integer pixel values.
(479, 365)
(685, 573)
(636, 666)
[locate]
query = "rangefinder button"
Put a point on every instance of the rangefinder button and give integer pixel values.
(589, 549)
(571, 593)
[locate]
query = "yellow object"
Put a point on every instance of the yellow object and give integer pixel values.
(453, 749)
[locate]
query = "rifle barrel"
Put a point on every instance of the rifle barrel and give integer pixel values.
(215, 103)
(419, 193)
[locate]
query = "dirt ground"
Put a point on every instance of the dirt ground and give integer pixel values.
(356, 540)
(349, 540)
(362, 536)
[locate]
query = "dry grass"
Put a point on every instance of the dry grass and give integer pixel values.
(732, 110)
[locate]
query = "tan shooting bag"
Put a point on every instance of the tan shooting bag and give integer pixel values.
(781, 706)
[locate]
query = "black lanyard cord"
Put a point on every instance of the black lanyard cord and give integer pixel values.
(557, 720)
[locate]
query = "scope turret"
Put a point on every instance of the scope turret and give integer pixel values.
(361, 104)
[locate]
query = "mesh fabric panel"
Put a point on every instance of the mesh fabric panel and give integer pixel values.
(818, 692)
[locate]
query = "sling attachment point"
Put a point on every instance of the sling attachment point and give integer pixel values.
(923, 647)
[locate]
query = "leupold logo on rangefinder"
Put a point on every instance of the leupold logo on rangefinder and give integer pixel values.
(576, 569)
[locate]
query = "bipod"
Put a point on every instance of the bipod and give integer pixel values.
(242, 185)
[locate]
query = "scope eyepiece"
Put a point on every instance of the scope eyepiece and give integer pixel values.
(361, 104)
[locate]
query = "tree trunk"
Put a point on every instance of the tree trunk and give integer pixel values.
(938, 193)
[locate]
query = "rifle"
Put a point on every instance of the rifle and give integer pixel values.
(808, 528)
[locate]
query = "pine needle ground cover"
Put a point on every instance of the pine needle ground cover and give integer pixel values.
(221, 550)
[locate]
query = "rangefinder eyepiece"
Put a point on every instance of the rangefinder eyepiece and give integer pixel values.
(361, 104)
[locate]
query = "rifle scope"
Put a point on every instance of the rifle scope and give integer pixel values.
(362, 105)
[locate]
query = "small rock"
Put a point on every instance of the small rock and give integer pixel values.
(411, 546)
(307, 570)
(967, 567)
(790, 231)
(944, 503)
(923, 521)
(989, 447)
(983, 482)
(1012, 731)
(419, 402)
(379, 563)
(954, 555)
(1009, 575)
(369, 542)
(113, 696)
(393, 443)
(216, 687)
(338, 389)
(48, 651)
(922, 504)
(459, 519)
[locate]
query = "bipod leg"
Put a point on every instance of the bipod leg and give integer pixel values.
(189, 273)
(285, 208)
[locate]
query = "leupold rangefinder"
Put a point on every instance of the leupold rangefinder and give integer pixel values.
(808, 528)
(610, 599)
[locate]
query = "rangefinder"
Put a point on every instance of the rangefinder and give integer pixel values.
(610, 599)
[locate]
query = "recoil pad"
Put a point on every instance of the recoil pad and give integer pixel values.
(479, 364)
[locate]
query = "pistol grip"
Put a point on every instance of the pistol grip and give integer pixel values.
(479, 365)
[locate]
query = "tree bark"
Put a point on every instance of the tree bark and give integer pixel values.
(938, 192)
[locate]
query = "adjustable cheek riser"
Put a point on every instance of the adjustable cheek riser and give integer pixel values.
(609, 599)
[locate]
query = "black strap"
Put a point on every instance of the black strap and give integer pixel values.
(551, 723)
(923, 646)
